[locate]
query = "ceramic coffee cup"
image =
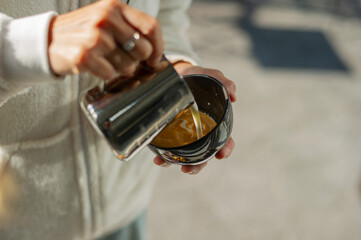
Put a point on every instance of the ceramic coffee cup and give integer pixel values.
(212, 98)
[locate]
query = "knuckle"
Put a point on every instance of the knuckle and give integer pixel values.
(153, 26)
(100, 13)
(155, 23)
(104, 14)
(112, 6)
(119, 4)
(101, 19)
(111, 3)
(218, 73)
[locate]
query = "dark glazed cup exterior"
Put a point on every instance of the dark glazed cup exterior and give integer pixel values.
(212, 98)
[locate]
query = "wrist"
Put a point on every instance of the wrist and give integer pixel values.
(50, 40)
(29, 62)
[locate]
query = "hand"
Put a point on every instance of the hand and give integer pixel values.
(185, 68)
(88, 40)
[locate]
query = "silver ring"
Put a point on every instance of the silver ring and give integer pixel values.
(130, 44)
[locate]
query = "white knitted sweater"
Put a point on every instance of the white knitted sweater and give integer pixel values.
(70, 185)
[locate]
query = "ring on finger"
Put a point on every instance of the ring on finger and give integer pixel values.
(130, 43)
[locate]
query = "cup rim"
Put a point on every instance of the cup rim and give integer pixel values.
(228, 100)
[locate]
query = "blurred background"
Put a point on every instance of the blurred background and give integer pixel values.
(296, 170)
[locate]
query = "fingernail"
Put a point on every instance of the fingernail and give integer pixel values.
(193, 172)
(219, 155)
(165, 165)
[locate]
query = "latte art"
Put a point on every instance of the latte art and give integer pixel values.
(182, 130)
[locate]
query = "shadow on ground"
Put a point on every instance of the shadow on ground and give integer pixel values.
(289, 48)
(295, 49)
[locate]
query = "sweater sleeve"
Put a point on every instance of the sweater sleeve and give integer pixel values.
(174, 20)
(23, 53)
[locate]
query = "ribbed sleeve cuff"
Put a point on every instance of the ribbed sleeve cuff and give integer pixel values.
(25, 49)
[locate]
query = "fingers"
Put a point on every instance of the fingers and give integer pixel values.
(99, 66)
(231, 88)
(91, 39)
(226, 151)
(189, 169)
(160, 162)
(142, 49)
(148, 27)
(228, 84)
(193, 170)
(122, 62)
(123, 32)
(187, 68)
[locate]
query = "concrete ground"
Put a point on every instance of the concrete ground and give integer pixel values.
(296, 170)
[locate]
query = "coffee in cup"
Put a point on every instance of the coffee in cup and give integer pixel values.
(179, 143)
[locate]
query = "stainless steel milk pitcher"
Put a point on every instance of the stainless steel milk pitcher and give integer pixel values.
(130, 111)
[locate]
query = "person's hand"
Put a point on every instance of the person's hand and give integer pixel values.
(185, 68)
(91, 39)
